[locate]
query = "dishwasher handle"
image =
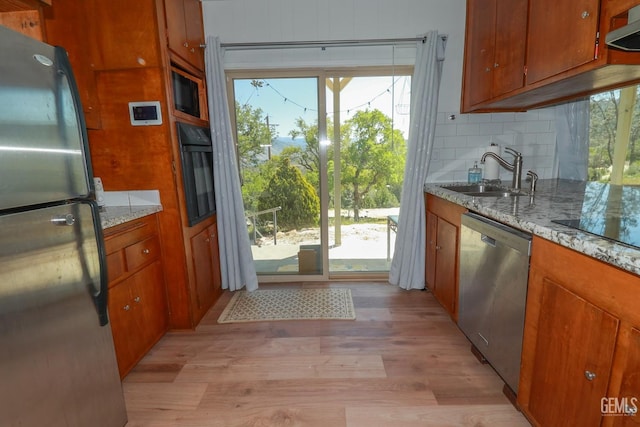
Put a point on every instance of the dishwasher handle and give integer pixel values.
(494, 233)
(488, 240)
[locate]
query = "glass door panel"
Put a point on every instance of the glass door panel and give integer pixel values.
(367, 124)
(278, 150)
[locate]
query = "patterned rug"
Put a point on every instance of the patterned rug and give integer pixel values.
(289, 304)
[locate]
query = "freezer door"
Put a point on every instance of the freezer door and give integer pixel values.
(57, 362)
(43, 151)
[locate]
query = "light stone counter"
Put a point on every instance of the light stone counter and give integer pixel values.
(561, 200)
(124, 206)
(111, 216)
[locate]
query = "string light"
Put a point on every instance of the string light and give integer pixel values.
(305, 109)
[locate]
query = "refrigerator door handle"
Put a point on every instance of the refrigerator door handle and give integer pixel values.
(100, 298)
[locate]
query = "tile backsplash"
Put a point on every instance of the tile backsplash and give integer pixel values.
(461, 139)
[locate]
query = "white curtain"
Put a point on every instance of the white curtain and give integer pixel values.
(236, 260)
(407, 266)
(572, 140)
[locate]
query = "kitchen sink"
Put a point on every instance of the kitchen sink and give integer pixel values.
(483, 190)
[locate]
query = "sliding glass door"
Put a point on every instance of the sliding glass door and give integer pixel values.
(279, 155)
(369, 120)
(321, 162)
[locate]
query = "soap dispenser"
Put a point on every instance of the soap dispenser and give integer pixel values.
(475, 174)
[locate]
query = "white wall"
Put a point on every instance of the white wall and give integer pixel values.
(460, 141)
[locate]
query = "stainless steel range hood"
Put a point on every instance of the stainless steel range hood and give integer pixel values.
(627, 37)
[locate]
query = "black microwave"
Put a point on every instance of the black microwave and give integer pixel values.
(187, 91)
(196, 153)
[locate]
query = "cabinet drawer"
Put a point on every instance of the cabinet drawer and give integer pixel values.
(141, 253)
(118, 237)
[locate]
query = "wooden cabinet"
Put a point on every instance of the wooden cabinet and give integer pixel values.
(137, 295)
(185, 30)
(24, 16)
(581, 339)
(78, 41)
(566, 57)
(564, 35)
(441, 264)
(125, 51)
(494, 49)
(205, 254)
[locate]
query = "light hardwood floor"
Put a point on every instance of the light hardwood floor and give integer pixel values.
(402, 362)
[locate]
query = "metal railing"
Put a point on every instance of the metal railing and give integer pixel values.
(253, 218)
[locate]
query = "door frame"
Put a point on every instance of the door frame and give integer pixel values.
(321, 74)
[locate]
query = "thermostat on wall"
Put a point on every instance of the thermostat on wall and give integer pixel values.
(145, 113)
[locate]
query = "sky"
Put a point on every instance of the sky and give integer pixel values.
(286, 99)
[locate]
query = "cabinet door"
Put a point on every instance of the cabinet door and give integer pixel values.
(194, 27)
(177, 38)
(430, 262)
(65, 26)
(510, 44)
(185, 30)
(572, 359)
(151, 301)
(446, 266)
(562, 36)
(479, 51)
(201, 249)
(629, 394)
(122, 321)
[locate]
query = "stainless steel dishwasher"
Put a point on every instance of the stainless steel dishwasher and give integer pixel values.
(494, 270)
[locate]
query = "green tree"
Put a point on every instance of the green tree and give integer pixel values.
(289, 189)
(372, 157)
(253, 134)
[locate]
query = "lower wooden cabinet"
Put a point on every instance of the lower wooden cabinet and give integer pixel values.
(137, 294)
(441, 264)
(206, 265)
(581, 349)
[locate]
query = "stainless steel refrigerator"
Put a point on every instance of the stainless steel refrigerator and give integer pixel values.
(57, 362)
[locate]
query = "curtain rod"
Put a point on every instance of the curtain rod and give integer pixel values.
(322, 43)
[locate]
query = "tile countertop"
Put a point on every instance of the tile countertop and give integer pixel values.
(557, 200)
(111, 216)
(124, 206)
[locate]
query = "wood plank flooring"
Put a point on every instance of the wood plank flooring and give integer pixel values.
(402, 362)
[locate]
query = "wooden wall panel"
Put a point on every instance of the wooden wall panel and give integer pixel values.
(130, 157)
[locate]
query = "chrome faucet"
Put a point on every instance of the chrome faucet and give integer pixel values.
(515, 167)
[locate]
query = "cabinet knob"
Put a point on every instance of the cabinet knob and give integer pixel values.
(193, 50)
(146, 251)
(496, 65)
(126, 307)
(585, 15)
(486, 70)
(630, 409)
(185, 44)
(438, 247)
(137, 299)
(590, 375)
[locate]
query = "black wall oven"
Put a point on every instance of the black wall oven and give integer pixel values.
(196, 152)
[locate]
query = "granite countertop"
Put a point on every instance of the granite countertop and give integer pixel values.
(560, 200)
(111, 216)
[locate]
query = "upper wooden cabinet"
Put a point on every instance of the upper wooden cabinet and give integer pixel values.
(24, 16)
(494, 48)
(564, 35)
(185, 30)
(566, 57)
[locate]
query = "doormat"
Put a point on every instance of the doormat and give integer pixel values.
(289, 304)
